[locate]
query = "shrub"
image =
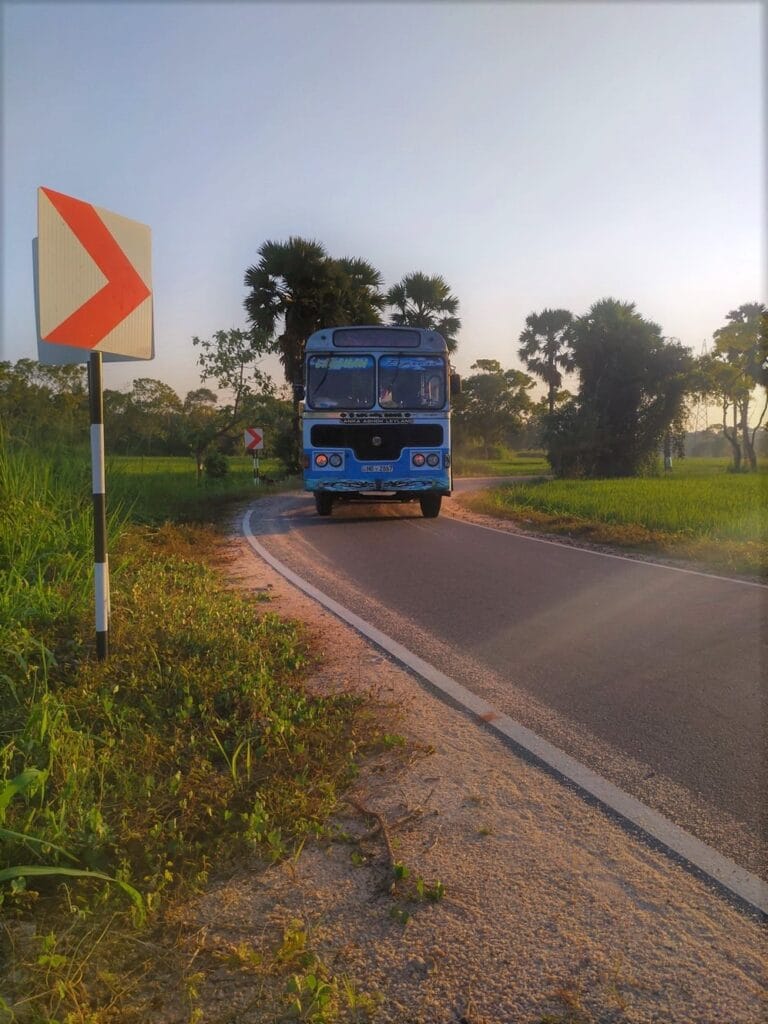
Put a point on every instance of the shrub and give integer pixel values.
(216, 465)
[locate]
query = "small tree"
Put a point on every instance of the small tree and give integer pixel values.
(152, 408)
(230, 358)
(274, 414)
(493, 403)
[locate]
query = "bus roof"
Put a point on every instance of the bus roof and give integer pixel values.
(377, 336)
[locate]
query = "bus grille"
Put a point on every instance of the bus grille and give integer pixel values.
(394, 437)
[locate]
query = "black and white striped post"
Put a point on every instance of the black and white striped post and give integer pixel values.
(98, 477)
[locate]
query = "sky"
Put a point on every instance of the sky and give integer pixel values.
(533, 154)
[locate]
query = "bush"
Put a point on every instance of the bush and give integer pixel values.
(216, 465)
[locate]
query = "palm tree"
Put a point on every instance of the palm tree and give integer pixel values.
(545, 348)
(427, 302)
(298, 283)
(361, 301)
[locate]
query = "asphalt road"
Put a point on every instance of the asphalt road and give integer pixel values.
(664, 667)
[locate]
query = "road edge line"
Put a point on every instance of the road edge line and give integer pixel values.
(747, 887)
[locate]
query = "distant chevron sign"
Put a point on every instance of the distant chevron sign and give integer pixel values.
(254, 439)
(94, 278)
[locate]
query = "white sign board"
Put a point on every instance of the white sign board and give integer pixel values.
(254, 439)
(94, 282)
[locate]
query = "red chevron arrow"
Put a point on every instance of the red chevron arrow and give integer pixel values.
(122, 293)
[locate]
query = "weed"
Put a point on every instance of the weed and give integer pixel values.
(414, 890)
(400, 871)
(400, 914)
(389, 741)
(433, 893)
(310, 998)
(243, 956)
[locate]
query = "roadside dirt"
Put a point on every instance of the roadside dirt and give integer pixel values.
(551, 912)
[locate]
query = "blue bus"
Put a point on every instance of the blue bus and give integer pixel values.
(376, 420)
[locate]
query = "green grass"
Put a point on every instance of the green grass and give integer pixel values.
(513, 464)
(698, 510)
(122, 782)
(240, 466)
(155, 489)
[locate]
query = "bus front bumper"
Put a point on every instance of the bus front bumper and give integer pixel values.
(381, 485)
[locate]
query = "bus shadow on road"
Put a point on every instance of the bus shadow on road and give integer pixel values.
(301, 514)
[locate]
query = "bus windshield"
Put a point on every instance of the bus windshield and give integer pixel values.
(411, 382)
(340, 382)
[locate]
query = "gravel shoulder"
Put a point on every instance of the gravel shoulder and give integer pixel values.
(552, 912)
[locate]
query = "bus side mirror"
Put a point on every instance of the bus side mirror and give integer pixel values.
(455, 384)
(298, 392)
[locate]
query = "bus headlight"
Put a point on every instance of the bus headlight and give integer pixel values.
(433, 459)
(418, 459)
(335, 460)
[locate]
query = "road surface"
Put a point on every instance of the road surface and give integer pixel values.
(651, 676)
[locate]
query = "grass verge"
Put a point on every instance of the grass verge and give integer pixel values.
(704, 515)
(122, 782)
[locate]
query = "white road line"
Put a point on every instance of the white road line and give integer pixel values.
(748, 887)
(606, 554)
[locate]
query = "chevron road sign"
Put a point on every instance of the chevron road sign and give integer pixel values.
(94, 281)
(254, 439)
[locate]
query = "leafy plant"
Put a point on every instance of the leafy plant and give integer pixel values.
(216, 465)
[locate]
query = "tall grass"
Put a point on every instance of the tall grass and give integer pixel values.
(194, 741)
(46, 547)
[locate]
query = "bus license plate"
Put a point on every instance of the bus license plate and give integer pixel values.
(379, 468)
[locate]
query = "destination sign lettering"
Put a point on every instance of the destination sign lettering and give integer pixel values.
(374, 417)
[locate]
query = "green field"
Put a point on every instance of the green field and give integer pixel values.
(698, 510)
(513, 464)
(156, 488)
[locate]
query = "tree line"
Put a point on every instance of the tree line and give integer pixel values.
(635, 388)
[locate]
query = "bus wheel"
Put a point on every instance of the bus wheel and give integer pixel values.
(323, 503)
(430, 505)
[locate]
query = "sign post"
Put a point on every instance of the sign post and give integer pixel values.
(100, 565)
(93, 297)
(254, 443)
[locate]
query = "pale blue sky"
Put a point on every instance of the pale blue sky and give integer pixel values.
(533, 154)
